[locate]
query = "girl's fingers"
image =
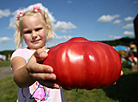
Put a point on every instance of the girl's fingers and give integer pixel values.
(42, 73)
(38, 68)
(44, 76)
(38, 56)
(114, 83)
(49, 84)
(40, 53)
(121, 73)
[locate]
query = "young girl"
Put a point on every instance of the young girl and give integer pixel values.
(35, 80)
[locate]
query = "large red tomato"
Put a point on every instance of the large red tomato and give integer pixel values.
(84, 64)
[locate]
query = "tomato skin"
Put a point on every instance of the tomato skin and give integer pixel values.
(78, 39)
(84, 64)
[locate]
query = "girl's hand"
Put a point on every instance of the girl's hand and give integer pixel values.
(39, 72)
(121, 74)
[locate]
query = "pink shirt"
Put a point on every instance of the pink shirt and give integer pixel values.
(36, 91)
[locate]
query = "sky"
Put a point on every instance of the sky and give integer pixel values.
(95, 20)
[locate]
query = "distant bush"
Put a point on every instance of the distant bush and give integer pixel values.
(126, 41)
(6, 52)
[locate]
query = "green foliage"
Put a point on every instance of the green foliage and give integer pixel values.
(6, 52)
(4, 63)
(123, 41)
(95, 95)
(124, 91)
(8, 90)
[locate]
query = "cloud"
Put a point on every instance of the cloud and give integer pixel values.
(13, 19)
(52, 19)
(107, 18)
(56, 37)
(51, 42)
(69, 1)
(62, 27)
(135, 2)
(117, 21)
(128, 33)
(5, 39)
(12, 23)
(4, 13)
(128, 26)
(114, 37)
(128, 18)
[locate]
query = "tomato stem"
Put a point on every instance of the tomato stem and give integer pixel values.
(76, 90)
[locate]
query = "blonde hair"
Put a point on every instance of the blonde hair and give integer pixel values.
(18, 33)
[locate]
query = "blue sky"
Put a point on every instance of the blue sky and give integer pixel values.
(93, 19)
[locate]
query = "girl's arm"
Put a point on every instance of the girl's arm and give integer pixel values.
(25, 75)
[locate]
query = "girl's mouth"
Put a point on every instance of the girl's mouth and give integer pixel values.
(35, 41)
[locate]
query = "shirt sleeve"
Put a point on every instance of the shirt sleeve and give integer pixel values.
(18, 52)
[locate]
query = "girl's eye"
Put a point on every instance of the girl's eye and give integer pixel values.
(38, 29)
(27, 32)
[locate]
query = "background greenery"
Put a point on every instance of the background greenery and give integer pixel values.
(124, 91)
(4, 63)
(123, 41)
(126, 41)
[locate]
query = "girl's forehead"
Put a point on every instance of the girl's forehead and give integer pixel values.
(34, 19)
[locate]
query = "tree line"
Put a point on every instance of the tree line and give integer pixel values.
(126, 41)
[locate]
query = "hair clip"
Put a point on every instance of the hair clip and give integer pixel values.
(19, 14)
(36, 8)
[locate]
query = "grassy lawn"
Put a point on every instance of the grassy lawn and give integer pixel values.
(126, 90)
(4, 63)
(8, 90)
(95, 95)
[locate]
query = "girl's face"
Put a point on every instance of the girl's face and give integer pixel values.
(34, 31)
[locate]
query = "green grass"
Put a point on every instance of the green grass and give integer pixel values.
(8, 90)
(4, 63)
(126, 90)
(95, 95)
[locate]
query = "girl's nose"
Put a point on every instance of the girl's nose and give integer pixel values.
(34, 34)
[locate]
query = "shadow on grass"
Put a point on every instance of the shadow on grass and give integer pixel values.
(126, 89)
